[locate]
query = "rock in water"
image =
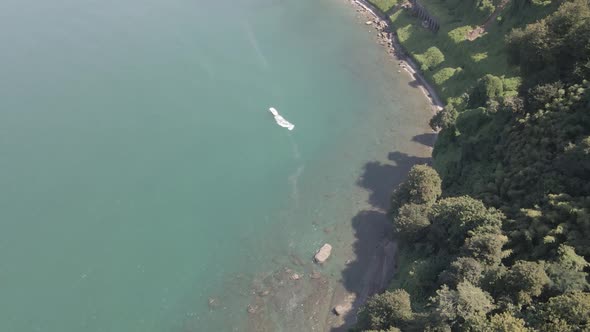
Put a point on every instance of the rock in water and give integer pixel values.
(213, 303)
(252, 309)
(322, 255)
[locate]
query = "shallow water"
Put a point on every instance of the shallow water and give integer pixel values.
(143, 176)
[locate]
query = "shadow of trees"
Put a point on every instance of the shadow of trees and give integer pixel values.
(373, 267)
(393, 9)
(380, 179)
(427, 139)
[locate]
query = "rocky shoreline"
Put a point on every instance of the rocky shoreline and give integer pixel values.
(303, 294)
(301, 291)
(386, 37)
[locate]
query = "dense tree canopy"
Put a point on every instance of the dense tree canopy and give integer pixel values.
(554, 49)
(423, 186)
(567, 312)
(386, 311)
(524, 281)
(465, 306)
(488, 87)
(455, 219)
(411, 222)
(505, 322)
(462, 269)
(503, 242)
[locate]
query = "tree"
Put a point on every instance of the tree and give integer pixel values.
(411, 221)
(437, 327)
(423, 186)
(554, 48)
(444, 119)
(576, 158)
(485, 246)
(452, 218)
(460, 270)
(488, 87)
(571, 308)
(445, 305)
(543, 94)
(383, 311)
(556, 325)
(430, 59)
(567, 272)
(473, 302)
(391, 329)
(505, 322)
(568, 259)
(525, 281)
(468, 304)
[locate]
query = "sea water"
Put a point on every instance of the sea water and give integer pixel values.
(144, 186)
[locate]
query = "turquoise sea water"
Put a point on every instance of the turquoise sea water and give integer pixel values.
(141, 173)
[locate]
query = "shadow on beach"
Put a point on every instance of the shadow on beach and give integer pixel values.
(373, 268)
(380, 179)
(427, 139)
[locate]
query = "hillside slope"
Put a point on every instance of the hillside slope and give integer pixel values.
(497, 236)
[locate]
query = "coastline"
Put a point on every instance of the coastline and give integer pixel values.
(383, 24)
(310, 296)
(377, 252)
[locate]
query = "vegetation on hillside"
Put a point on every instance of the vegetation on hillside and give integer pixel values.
(464, 61)
(496, 237)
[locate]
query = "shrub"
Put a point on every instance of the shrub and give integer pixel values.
(430, 59)
(423, 186)
(386, 310)
(410, 222)
(459, 34)
(444, 75)
(488, 87)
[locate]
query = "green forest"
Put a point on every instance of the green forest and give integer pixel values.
(495, 236)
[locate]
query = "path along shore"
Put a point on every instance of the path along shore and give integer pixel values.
(377, 266)
(383, 23)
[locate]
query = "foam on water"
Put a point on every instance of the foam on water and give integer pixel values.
(293, 181)
(255, 45)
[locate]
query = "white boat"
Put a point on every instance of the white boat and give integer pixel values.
(280, 120)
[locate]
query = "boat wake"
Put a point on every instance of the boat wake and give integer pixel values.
(293, 179)
(280, 120)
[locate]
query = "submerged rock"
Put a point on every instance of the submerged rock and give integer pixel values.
(322, 255)
(213, 303)
(252, 309)
(345, 306)
(295, 276)
(342, 309)
(296, 260)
